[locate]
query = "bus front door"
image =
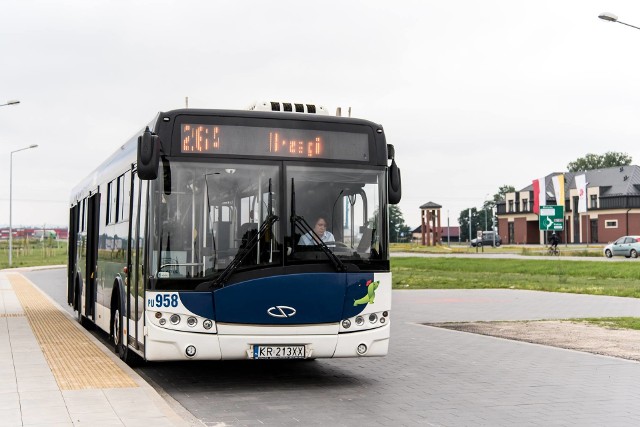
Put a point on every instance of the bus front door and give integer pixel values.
(93, 219)
(135, 283)
(72, 255)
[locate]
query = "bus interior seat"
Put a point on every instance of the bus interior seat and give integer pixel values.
(245, 232)
(223, 235)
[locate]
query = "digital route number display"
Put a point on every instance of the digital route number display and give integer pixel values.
(273, 142)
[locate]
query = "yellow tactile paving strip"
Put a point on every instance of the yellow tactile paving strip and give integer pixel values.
(76, 362)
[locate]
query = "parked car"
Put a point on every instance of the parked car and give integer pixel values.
(627, 246)
(487, 239)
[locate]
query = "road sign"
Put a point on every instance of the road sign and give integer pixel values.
(552, 218)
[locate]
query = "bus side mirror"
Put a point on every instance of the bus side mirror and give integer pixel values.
(148, 155)
(395, 184)
(395, 181)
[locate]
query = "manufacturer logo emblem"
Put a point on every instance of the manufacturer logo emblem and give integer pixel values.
(281, 311)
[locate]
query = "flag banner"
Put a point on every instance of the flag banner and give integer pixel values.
(558, 189)
(581, 186)
(539, 194)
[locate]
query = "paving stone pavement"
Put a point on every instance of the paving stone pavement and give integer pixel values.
(30, 393)
(431, 376)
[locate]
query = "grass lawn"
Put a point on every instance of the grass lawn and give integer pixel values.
(613, 322)
(593, 250)
(33, 254)
(554, 275)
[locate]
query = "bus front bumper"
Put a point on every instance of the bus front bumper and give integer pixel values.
(165, 344)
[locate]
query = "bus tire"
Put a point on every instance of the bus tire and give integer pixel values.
(117, 333)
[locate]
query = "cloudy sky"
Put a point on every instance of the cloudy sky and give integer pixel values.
(474, 95)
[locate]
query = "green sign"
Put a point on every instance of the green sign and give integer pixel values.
(552, 218)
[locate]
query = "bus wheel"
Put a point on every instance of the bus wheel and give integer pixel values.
(119, 340)
(117, 328)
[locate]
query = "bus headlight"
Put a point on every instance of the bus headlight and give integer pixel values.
(207, 324)
(192, 321)
(174, 319)
(364, 321)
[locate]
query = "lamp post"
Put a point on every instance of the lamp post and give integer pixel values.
(613, 18)
(11, 198)
(10, 102)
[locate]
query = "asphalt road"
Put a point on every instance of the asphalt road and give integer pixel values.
(431, 376)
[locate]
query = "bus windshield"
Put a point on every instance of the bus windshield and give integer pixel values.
(211, 217)
(338, 206)
(207, 212)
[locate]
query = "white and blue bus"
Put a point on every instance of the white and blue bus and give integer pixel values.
(186, 243)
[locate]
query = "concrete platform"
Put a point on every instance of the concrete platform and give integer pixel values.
(55, 373)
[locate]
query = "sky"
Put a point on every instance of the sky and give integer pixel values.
(473, 95)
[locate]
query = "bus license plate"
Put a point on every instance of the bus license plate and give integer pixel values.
(278, 352)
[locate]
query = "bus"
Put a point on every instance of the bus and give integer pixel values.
(186, 243)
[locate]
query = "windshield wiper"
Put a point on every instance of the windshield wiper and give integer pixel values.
(242, 253)
(249, 246)
(298, 222)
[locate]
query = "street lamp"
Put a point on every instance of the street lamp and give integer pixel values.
(613, 18)
(10, 102)
(11, 198)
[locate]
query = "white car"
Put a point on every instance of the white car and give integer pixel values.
(627, 246)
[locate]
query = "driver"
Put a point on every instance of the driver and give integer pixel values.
(321, 230)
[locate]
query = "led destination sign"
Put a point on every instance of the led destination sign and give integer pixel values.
(273, 142)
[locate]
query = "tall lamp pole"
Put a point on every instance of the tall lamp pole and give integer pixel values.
(10, 102)
(11, 199)
(613, 18)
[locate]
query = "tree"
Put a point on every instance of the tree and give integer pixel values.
(398, 230)
(481, 219)
(502, 190)
(599, 161)
(475, 219)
